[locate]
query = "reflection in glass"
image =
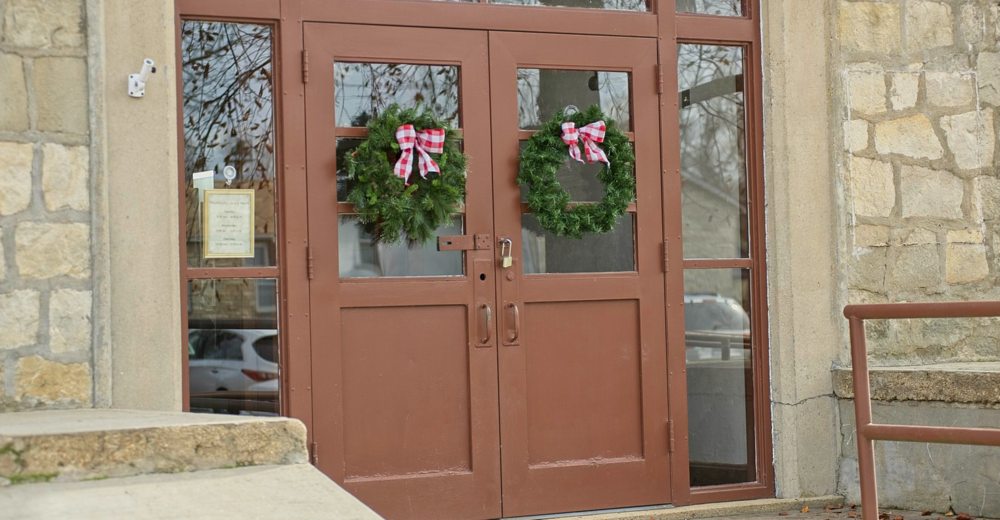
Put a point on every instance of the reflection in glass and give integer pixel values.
(362, 257)
(543, 92)
(344, 146)
(720, 376)
(713, 151)
(544, 252)
(616, 5)
(228, 121)
(716, 7)
(233, 348)
(362, 90)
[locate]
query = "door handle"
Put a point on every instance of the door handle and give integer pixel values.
(486, 331)
(515, 333)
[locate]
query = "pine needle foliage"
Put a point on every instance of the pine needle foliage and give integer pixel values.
(387, 208)
(544, 155)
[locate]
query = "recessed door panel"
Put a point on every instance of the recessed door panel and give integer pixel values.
(580, 363)
(406, 378)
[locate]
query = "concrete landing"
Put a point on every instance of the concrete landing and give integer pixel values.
(297, 491)
(743, 509)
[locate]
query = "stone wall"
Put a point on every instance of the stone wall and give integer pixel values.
(45, 210)
(920, 84)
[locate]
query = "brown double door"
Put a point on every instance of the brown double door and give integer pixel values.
(448, 386)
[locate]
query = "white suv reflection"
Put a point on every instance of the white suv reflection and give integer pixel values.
(233, 369)
(715, 328)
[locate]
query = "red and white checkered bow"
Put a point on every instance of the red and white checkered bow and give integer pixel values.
(591, 135)
(426, 142)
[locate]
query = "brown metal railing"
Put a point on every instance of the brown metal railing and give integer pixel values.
(867, 432)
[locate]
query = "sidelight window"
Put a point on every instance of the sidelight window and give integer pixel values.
(231, 232)
(722, 281)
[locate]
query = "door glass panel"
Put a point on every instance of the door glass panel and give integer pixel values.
(578, 179)
(362, 90)
(616, 5)
(233, 346)
(713, 151)
(720, 376)
(362, 257)
(228, 122)
(543, 92)
(716, 7)
(544, 252)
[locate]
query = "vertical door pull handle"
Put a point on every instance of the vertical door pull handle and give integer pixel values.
(516, 315)
(486, 333)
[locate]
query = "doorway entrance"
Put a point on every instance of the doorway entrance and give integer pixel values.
(444, 384)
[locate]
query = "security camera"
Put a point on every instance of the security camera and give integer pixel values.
(137, 82)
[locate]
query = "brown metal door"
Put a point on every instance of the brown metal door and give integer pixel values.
(403, 355)
(582, 362)
(422, 361)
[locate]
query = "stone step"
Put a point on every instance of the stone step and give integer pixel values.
(297, 491)
(76, 445)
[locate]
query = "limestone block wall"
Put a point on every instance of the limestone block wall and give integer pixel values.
(919, 84)
(46, 283)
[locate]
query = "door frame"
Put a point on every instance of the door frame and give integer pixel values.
(662, 23)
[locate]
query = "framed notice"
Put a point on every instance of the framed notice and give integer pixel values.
(228, 224)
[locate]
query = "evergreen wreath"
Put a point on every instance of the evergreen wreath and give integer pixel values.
(545, 153)
(387, 207)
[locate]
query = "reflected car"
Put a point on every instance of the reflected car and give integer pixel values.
(715, 327)
(231, 359)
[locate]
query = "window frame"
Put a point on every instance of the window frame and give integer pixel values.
(745, 32)
(215, 12)
(670, 28)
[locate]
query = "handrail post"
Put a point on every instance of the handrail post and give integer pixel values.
(862, 419)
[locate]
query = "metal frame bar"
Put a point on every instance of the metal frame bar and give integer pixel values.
(869, 432)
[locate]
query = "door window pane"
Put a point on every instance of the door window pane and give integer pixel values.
(716, 7)
(362, 257)
(363, 90)
(233, 355)
(720, 376)
(228, 123)
(543, 92)
(544, 252)
(615, 5)
(713, 151)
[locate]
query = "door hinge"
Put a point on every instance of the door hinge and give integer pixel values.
(305, 66)
(671, 445)
(313, 453)
(666, 258)
(310, 263)
(659, 79)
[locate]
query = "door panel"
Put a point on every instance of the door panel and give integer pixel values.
(583, 408)
(405, 381)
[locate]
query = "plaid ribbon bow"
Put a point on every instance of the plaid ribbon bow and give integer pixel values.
(426, 142)
(590, 135)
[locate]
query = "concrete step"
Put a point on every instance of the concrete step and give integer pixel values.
(297, 491)
(76, 445)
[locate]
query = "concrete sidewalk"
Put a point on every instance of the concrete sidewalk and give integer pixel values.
(850, 513)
